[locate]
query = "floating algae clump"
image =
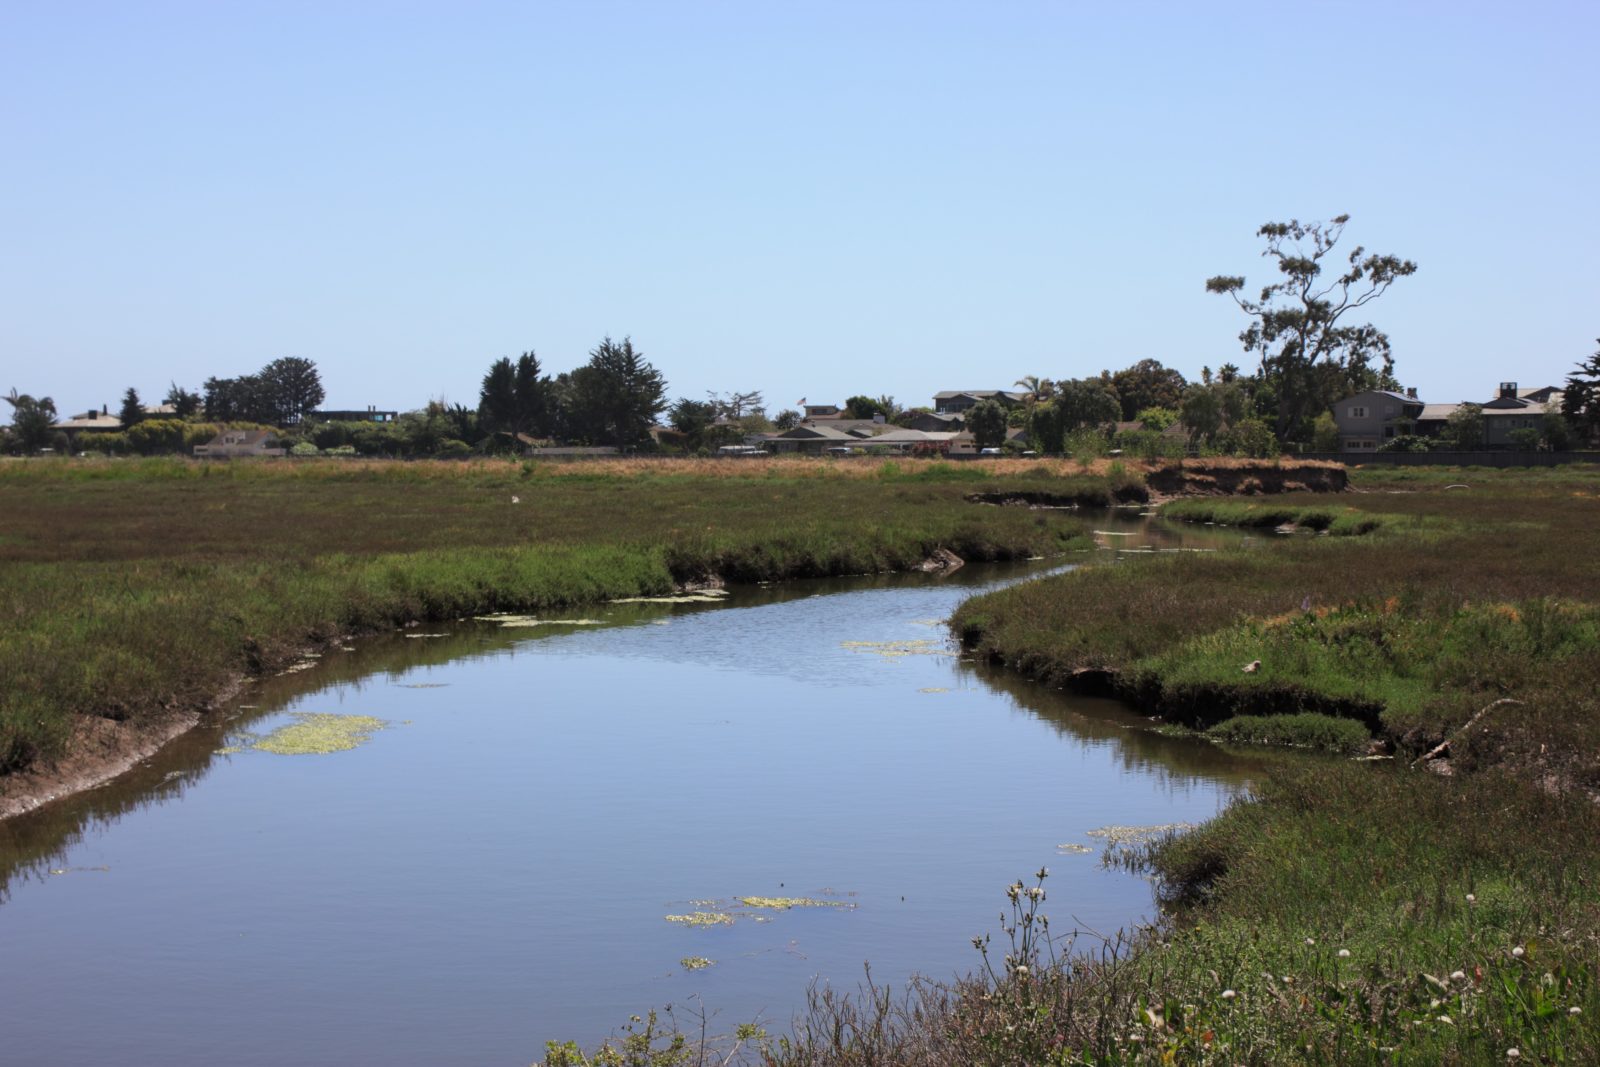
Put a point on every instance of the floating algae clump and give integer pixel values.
(1074, 850)
(703, 918)
(1134, 835)
(317, 733)
(896, 649)
(702, 596)
(785, 903)
(513, 622)
(695, 963)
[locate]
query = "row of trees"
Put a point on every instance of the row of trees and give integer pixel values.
(613, 399)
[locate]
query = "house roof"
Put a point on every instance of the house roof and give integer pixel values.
(91, 421)
(1525, 411)
(980, 394)
(805, 432)
(1438, 412)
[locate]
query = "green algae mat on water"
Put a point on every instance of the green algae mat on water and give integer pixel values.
(319, 733)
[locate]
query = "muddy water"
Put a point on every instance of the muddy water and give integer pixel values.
(494, 866)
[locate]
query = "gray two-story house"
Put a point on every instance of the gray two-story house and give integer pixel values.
(1368, 419)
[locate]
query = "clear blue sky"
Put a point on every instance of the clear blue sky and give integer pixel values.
(810, 199)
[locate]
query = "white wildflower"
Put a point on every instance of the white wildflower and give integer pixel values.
(1344, 954)
(1228, 994)
(1518, 952)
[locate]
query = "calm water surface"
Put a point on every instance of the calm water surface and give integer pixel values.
(493, 869)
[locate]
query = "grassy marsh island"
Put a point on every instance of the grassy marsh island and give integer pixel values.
(1348, 911)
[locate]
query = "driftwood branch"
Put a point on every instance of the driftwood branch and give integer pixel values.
(1444, 746)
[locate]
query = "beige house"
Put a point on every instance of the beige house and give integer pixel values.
(231, 443)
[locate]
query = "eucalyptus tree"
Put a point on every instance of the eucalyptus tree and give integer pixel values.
(1308, 352)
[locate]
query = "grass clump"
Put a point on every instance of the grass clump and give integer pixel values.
(1339, 521)
(1325, 733)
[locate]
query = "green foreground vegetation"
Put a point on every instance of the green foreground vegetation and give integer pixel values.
(131, 587)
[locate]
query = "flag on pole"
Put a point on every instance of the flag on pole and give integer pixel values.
(802, 403)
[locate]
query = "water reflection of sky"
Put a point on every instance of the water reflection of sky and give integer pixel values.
(494, 869)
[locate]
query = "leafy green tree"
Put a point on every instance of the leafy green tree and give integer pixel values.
(865, 407)
(1524, 439)
(1202, 413)
(242, 399)
(615, 397)
(1158, 418)
(692, 418)
(986, 421)
(1077, 405)
(1088, 403)
(515, 398)
(1251, 437)
(787, 419)
(184, 403)
(1406, 442)
(1147, 384)
(1325, 433)
(291, 388)
(1580, 402)
(32, 420)
(1306, 350)
(132, 412)
(1464, 430)
(1556, 429)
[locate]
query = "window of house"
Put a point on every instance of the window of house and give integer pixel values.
(1358, 413)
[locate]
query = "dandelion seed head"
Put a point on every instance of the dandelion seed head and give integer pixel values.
(1344, 954)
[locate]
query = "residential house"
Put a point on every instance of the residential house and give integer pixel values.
(91, 421)
(232, 443)
(932, 422)
(1368, 419)
(372, 414)
(956, 401)
(1434, 418)
(1515, 409)
(822, 411)
(810, 439)
(103, 421)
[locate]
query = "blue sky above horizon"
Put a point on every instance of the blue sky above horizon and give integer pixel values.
(812, 200)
